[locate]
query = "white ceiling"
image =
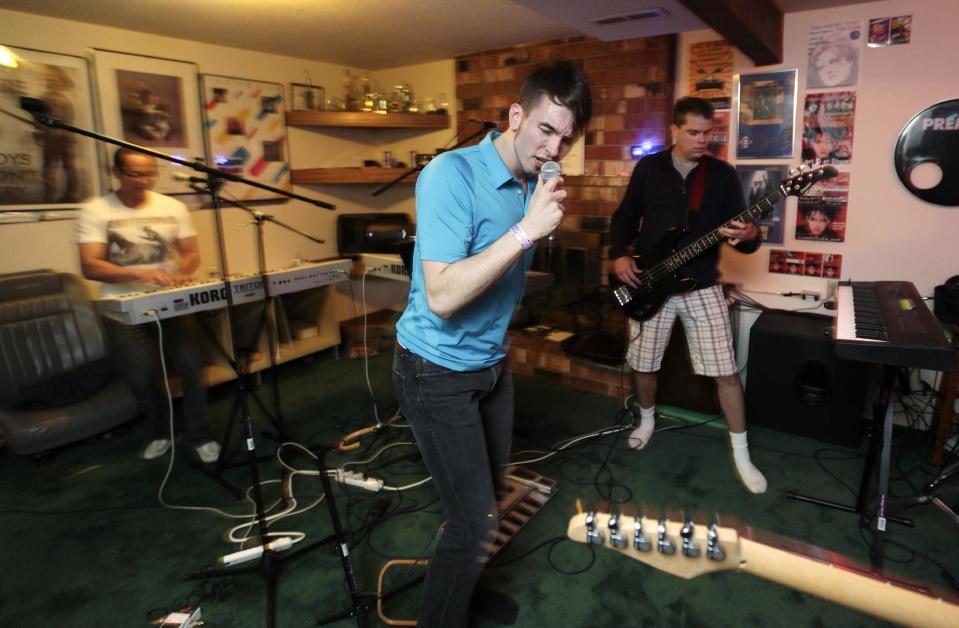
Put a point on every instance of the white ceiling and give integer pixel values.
(376, 34)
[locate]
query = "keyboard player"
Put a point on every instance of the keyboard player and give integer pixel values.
(135, 239)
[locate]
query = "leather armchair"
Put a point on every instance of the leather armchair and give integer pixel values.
(56, 382)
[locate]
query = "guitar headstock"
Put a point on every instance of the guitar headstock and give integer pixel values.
(682, 548)
(806, 176)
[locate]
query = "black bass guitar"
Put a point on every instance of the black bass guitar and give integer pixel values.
(658, 279)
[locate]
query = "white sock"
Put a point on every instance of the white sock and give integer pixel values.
(639, 437)
(752, 477)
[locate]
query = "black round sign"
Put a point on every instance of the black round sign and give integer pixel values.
(928, 142)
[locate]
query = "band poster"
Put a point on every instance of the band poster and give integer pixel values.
(834, 54)
(822, 210)
(809, 264)
(757, 183)
(711, 72)
(43, 167)
(767, 104)
(828, 127)
(717, 141)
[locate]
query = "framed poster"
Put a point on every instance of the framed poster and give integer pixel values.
(767, 104)
(246, 133)
(42, 167)
(154, 103)
(757, 183)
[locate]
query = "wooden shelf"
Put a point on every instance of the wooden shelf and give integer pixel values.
(369, 120)
(333, 176)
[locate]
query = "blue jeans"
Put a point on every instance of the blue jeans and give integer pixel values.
(463, 425)
(136, 353)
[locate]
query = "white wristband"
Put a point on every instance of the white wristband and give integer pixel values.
(521, 237)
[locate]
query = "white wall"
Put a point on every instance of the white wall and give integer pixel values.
(50, 245)
(890, 234)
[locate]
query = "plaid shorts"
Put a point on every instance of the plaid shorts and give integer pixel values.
(705, 317)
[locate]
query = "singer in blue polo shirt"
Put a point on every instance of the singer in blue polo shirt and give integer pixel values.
(479, 213)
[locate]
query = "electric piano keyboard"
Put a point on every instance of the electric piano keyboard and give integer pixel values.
(887, 322)
(137, 307)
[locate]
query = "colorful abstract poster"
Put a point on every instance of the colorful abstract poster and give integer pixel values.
(767, 103)
(829, 127)
(711, 72)
(833, 59)
(822, 211)
(717, 141)
(758, 182)
(246, 133)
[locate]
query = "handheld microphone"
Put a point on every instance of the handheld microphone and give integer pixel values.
(182, 176)
(547, 171)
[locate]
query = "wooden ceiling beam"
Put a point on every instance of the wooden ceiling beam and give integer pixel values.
(753, 26)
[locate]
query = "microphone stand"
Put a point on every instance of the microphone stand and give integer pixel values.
(486, 126)
(268, 566)
(241, 367)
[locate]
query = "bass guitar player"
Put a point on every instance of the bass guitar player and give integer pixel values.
(683, 187)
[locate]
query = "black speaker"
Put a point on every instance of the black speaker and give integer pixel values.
(371, 233)
(795, 382)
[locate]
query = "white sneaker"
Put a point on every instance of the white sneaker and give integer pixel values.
(156, 448)
(209, 451)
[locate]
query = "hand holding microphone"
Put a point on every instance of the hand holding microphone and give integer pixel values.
(545, 208)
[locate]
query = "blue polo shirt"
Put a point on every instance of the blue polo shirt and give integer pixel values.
(465, 201)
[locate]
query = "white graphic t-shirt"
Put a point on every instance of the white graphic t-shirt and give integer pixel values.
(145, 237)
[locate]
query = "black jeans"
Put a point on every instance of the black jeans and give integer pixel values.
(463, 425)
(136, 353)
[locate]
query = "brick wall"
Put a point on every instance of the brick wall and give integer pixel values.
(632, 82)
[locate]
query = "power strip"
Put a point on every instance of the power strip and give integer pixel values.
(354, 478)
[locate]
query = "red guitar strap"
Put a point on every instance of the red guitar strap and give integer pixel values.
(699, 188)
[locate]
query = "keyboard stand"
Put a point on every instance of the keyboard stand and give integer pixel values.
(880, 445)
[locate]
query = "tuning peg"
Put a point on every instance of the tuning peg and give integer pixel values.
(640, 540)
(714, 551)
(616, 538)
(664, 544)
(690, 547)
(593, 535)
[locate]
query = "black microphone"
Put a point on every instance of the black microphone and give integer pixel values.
(35, 107)
(182, 176)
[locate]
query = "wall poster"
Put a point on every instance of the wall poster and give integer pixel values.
(822, 210)
(767, 105)
(829, 127)
(711, 72)
(246, 133)
(42, 167)
(154, 103)
(757, 183)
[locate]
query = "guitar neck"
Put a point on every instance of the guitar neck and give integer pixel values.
(688, 252)
(848, 586)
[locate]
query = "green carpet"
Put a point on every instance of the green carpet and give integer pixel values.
(86, 543)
